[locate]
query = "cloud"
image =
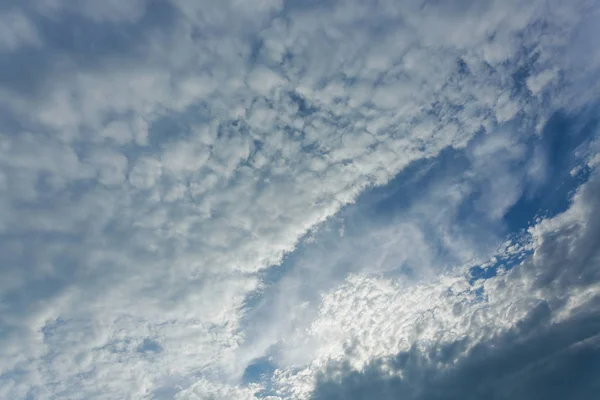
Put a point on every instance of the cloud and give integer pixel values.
(157, 158)
(145, 173)
(532, 336)
(17, 31)
(439, 214)
(501, 368)
(111, 166)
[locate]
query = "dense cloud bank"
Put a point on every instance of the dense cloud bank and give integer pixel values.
(189, 193)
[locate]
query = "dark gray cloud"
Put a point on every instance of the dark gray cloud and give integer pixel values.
(553, 362)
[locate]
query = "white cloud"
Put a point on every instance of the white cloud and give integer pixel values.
(226, 137)
(145, 173)
(111, 166)
(16, 30)
(117, 131)
(208, 390)
(263, 81)
(537, 83)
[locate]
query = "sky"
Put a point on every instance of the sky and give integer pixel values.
(299, 199)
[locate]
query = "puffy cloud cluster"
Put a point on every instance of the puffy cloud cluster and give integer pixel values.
(157, 156)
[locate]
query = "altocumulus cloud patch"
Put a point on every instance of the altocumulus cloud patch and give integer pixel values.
(299, 200)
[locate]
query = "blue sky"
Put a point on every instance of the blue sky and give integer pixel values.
(273, 199)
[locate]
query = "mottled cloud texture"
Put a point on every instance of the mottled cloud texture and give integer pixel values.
(285, 199)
